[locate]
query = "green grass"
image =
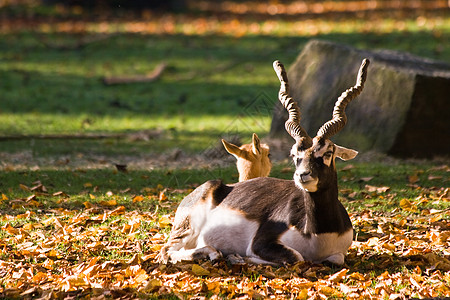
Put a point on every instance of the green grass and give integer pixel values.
(210, 82)
(94, 185)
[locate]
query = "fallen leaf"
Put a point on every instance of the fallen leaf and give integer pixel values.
(405, 204)
(338, 276)
(48, 264)
(365, 179)
(357, 276)
(213, 286)
(153, 285)
(28, 226)
(138, 199)
(87, 204)
(24, 187)
(329, 291)
(389, 246)
(165, 221)
(111, 202)
(60, 193)
(303, 295)
(39, 277)
(413, 178)
(135, 260)
(118, 211)
(199, 270)
(371, 189)
(348, 167)
(162, 196)
(373, 241)
(402, 222)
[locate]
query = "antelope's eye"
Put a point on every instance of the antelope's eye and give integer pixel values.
(328, 154)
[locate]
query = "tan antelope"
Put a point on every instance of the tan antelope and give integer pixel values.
(270, 220)
(252, 159)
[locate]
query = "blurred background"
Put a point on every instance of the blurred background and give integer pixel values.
(110, 78)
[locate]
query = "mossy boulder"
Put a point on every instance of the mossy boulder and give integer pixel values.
(403, 110)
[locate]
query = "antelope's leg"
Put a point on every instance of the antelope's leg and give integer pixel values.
(337, 259)
(274, 253)
(266, 245)
(194, 254)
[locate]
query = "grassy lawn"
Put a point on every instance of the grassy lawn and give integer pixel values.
(73, 225)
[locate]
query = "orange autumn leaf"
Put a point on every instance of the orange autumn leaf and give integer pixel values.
(138, 199)
(39, 277)
(48, 264)
(118, 211)
(413, 178)
(357, 276)
(329, 291)
(140, 276)
(165, 221)
(389, 246)
(112, 202)
(338, 276)
(155, 247)
(28, 226)
(407, 205)
(213, 286)
(87, 204)
(162, 196)
(11, 230)
(402, 222)
(277, 283)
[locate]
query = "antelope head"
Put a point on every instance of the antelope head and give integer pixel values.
(314, 158)
(252, 159)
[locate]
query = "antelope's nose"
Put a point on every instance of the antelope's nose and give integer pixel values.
(305, 176)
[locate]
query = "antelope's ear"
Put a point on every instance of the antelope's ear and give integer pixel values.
(256, 144)
(232, 149)
(345, 153)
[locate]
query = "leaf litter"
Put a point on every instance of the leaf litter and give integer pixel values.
(108, 250)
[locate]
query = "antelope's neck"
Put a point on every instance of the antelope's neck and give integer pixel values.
(324, 212)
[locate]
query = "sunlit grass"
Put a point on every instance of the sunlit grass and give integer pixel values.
(219, 72)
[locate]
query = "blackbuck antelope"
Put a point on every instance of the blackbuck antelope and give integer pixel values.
(269, 220)
(252, 159)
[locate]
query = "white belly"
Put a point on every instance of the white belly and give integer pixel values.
(228, 231)
(318, 247)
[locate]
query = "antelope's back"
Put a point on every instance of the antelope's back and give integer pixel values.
(264, 198)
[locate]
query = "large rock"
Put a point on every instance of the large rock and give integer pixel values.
(403, 110)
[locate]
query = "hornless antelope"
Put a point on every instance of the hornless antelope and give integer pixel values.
(252, 159)
(269, 220)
